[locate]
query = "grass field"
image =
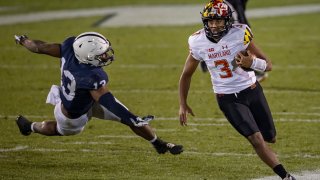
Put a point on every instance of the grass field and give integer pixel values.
(145, 78)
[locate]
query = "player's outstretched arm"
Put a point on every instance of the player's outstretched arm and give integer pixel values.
(184, 85)
(38, 46)
(105, 98)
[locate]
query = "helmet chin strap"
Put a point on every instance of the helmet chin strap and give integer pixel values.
(214, 37)
(214, 40)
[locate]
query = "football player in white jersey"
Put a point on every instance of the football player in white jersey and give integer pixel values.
(238, 8)
(84, 91)
(231, 57)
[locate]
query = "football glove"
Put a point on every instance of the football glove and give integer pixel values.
(20, 38)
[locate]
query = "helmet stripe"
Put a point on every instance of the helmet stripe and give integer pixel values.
(92, 35)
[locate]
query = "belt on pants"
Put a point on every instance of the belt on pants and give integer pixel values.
(254, 85)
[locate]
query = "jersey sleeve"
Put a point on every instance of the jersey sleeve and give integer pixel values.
(66, 46)
(193, 48)
(96, 79)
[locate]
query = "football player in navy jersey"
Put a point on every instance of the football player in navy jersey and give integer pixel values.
(84, 91)
(231, 57)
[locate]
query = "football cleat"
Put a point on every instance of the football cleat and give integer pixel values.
(162, 147)
(289, 177)
(24, 125)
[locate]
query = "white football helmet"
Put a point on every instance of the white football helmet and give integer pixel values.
(93, 48)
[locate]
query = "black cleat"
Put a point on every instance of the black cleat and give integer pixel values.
(289, 177)
(162, 147)
(24, 125)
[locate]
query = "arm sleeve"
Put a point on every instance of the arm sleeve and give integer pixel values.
(118, 109)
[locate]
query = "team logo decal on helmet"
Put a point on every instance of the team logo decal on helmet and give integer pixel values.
(216, 9)
(93, 48)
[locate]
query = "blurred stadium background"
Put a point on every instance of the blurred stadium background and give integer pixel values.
(145, 77)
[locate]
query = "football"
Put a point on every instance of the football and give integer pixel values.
(245, 53)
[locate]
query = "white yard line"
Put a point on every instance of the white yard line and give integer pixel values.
(17, 148)
(27, 148)
(281, 119)
(305, 175)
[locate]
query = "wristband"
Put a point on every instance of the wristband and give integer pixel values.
(259, 64)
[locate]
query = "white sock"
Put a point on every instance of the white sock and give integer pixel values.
(32, 126)
(154, 139)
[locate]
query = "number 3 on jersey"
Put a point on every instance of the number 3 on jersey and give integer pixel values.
(225, 68)
(69, 85)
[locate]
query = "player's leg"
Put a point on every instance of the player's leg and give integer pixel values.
(263, 150)
(62, 126)
(268, 156)
(48, 128)
(139, 126)
(161, 146)
(26, 127)
(237, 111)
(263, 118)
(262, 114)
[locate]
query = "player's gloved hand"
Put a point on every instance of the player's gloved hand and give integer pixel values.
(138, 122)
(20, 38)
(148, 118)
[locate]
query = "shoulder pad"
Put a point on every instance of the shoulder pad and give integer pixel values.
(247, 36)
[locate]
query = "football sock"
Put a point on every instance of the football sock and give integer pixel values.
(154, 139)
(32, 124)
(279, 169)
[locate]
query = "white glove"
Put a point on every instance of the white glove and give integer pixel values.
(20, 38)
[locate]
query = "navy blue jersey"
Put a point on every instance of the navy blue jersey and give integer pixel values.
(77, 80)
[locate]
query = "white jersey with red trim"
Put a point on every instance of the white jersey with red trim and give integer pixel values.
(226, 76)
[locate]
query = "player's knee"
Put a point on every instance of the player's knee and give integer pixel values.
(256, 140)
(47, 128)
(273, 140)
(269, 137)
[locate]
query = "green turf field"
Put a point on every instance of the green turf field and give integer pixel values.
(145, 78)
